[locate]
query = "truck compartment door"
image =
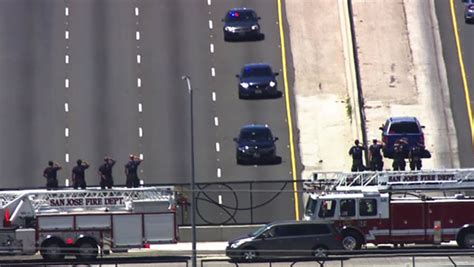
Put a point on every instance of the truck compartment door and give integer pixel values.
(127, 230)
(160, 228)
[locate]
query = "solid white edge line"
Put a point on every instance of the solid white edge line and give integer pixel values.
(213, 71)
(140, 107)
(219, 172)
(216, 121)
(214, 96)
(66, 107)
(211, 48)
(210, 24)
(66, 132)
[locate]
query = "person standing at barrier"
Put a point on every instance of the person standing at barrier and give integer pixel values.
(105, 173)
(78, 174)
(415, 155)
(131, 169)
(50, 173)
(375, 155)
(356, 153)
(399, 156)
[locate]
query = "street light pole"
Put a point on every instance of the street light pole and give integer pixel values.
(193, 182)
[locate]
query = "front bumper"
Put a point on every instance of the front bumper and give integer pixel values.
(260, 91)
(256, 155)
(242, 34)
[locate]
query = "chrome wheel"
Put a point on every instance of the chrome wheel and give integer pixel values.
(349, 242)
(249, 255)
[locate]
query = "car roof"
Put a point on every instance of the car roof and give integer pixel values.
(257, 65)
(403, 119)
(255, 126)
(291, 222)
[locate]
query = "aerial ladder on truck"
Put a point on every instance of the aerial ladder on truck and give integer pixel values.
(83, 223)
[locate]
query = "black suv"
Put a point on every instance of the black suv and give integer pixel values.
(258, 81)
(241, 23)
(286, 239)
(255, 144)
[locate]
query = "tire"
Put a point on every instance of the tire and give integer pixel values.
(320, 252)
(467, 240)
(351, 241)
(53, 250)
(87, 250)
(249, 255)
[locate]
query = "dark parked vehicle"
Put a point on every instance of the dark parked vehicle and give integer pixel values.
(258, 81)
(469, 13)
(255, 144)
(396, 128)
(241, 23)
(286, 239)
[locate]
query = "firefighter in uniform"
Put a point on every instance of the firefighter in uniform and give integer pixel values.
(375, 155)
(356, 153)
(415, 154)
(105, 172)
(131, 169)
(50, 173)
(399, 163)
(78, 174)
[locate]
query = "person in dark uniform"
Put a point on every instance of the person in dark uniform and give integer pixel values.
(356, 153)
(105, 172)
(415, 154)
(375, 155)
(399, 163)
(50, 173)
(131, 169)
(78, 174)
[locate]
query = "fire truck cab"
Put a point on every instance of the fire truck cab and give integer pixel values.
(394, 216)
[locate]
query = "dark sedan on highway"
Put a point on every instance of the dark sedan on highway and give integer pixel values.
(255, 144)
(469, 13)
(241, 24)
(258, 81)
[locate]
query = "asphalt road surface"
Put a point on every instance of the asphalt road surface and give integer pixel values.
(456, 87)
(87, 79)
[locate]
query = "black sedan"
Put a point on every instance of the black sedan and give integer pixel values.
(241, 23)
(256, 144)
(258, 81)
(469, 13)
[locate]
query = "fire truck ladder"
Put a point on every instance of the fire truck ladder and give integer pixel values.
(447, 179)
(46, 201)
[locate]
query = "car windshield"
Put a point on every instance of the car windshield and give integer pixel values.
(259, 231)
(257, 71)
(254, 135)
(404, 127)
(245, 15)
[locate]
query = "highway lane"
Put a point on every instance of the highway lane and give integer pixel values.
(103, 94)
(31, 89)
(456, 90)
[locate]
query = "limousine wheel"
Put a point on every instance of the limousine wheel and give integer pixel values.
(249, 254)
(320, 252)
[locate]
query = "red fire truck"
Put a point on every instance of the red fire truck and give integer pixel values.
(426, 207)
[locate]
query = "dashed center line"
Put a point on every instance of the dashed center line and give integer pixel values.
(66, 83)
(216, 121)
(213, 72)
(66, 35)
(66, 59)
(218, 147)
(66, 107)
(139, 82)
(214, 97)
(137, 35)
(139, 59)
(137, 11)
(66, 157)
(219, 172)
(209, 2)
(210, 24)
(66, 132)
(140, 131)
(66, 11)
(140, 107)
(220, 199)
(211, 48)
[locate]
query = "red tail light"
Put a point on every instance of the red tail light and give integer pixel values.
(6, 219)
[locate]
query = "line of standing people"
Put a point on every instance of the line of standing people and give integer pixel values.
(105, 173)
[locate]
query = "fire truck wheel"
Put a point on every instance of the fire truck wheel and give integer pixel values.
(52, 250)
(320, 252)
(249, 254)
(351, 241)
(468, 240)
(87, 249)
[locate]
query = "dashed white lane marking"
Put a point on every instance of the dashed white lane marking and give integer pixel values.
(211, 48)
(66, 83)
(216, 121)
(66, 35)
(66, 157)
(213, 71)
(66, 107)
(66, 132)
(66, 182)
(139, 59)
(220, 199)
(141, 156)
(137, 11)
(140, 107)
(218, 147)
(140, 131)
(66, 11)
(214, 96)
(137, 35)
(139, 82)
(219, 172)
(66, 59)
(209, 2)
(210, 24)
